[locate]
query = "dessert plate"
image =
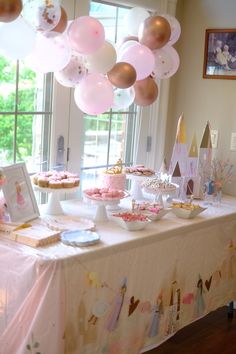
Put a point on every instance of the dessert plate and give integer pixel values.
(81, 238)
(66, 222)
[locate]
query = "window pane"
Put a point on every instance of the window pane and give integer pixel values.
(29, 146)
(121, 30)
(7, 85)
(7, 123)
(106, 14)
(24, 136)
(90, 177)
(111, 17)
(117, 142)
(30, 92)
(96, 140)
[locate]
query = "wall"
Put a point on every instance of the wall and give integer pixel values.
(202, 99)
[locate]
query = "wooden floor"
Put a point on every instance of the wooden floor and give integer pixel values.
(214, 334)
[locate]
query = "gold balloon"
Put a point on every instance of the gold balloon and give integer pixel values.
(154, 32)
(146, 92)
(61, 26)
(10, 10)
(122, 75)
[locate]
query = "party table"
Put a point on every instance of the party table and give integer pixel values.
(126, 294)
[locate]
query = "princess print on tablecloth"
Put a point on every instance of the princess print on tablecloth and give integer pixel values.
(199, 299)
(115, 314)
(174, 309)
(157, 312)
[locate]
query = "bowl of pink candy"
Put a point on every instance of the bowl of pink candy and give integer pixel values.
(131, 221)
(152, 210)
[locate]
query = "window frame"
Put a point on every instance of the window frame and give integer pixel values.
(46, 113)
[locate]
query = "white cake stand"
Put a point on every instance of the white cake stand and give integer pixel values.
(54, 206)
(101, 211)
(161, 195)
(136, 185)
(102, 206)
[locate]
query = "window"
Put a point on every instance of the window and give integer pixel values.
(109, 136)
(25, 115)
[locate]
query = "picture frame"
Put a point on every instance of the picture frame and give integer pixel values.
(18, 193)
(220, 54)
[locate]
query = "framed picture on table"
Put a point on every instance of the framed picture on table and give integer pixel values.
(18, 193)
(220, 54)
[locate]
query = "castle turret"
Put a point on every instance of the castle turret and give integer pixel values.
(192, 158)
(179, 153)
(205, 156)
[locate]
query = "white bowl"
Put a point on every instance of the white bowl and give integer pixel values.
(130, 225)
(156, 216)
(186, 213)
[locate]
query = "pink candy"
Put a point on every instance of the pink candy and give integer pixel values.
(131, 217)
(104, 193)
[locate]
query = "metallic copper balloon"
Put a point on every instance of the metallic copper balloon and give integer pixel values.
(154, 32)
(146, 92)
(122, 75)
(61, 26)
(10, 10)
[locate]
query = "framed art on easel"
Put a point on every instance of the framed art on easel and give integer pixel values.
(18, 193)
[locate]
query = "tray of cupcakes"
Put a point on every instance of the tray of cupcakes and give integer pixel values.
(55, 180)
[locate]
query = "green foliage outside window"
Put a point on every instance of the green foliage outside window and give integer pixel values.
(26, 99)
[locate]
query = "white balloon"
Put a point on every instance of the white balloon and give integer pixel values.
(102, 60)
(73, 73)
(123, 98)
(175, 28)
(124, 46)
(134, 18)
(51, 53)
(43, 15)
(17, 38)
(166, 62)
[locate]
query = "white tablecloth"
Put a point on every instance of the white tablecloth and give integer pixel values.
(133, 290)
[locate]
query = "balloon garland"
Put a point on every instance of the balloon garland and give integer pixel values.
(103, 76)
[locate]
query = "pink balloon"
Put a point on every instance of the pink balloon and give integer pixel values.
(175, 28)
(94, 95)
(86, 34)
(50, 53)
(73, 73)
(166, 62)
(141, 58)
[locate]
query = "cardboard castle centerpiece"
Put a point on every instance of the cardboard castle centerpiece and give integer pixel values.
(191, 170)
